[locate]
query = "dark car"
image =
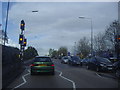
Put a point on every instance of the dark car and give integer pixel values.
(74, 60)
(113, 59)
(117, 68)
(100, 64)
(64, 60)
(60, 57)
(84, 61)
(42, 64)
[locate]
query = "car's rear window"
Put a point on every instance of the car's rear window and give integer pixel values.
(75, 57)
(42, 59)
(65, 57)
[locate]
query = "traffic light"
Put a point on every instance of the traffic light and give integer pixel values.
(22, 25)
(21, 39)
(25, 42)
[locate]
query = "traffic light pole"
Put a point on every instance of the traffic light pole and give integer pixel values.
(22, 40)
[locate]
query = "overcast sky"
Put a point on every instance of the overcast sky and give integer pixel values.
(56, 23)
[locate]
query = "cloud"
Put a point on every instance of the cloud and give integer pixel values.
(12, 43)
(57, 24)
(61, 0)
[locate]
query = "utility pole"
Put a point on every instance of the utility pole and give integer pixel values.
(5, 35)
(22, 39)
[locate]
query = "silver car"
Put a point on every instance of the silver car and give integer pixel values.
(64, 60)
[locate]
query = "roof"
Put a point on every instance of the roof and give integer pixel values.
(42, 56)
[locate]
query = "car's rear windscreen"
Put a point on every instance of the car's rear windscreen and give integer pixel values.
(42, 59)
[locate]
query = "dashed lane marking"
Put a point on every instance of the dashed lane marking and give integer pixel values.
(98, 75)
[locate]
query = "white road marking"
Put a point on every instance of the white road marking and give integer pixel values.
(29, 71)
(98, 75)
(74, 87)
(23, 77)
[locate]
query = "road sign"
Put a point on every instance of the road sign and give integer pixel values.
(68, 53)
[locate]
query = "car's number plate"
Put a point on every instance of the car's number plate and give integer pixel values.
(42, 65)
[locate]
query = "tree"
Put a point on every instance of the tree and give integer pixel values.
(54, 54)
(62, 51)
(83, 47)
(50, 51)
(110, 35)
(105, 43)
(100, 43)
(29, 53)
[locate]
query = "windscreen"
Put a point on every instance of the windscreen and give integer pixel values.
(42, 59)
(103, 59)
(65, 57)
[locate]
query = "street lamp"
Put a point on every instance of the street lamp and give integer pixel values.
(35, 11)
(82, 17)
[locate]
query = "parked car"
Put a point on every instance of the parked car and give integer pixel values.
(100, 64)
(74, 60)
(113, 59)
(42, 64)
(64, 60)
(117, 68)
(84, 61)
(60, 57)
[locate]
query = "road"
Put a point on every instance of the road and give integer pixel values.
(66, 76)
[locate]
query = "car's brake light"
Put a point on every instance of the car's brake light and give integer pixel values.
(52, 65)
(32, 65)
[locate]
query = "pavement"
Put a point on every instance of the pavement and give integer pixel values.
(66, 76)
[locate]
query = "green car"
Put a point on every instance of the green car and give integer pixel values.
(42, 64)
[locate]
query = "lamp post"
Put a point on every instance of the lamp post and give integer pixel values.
(75, 51)
(82, 17)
